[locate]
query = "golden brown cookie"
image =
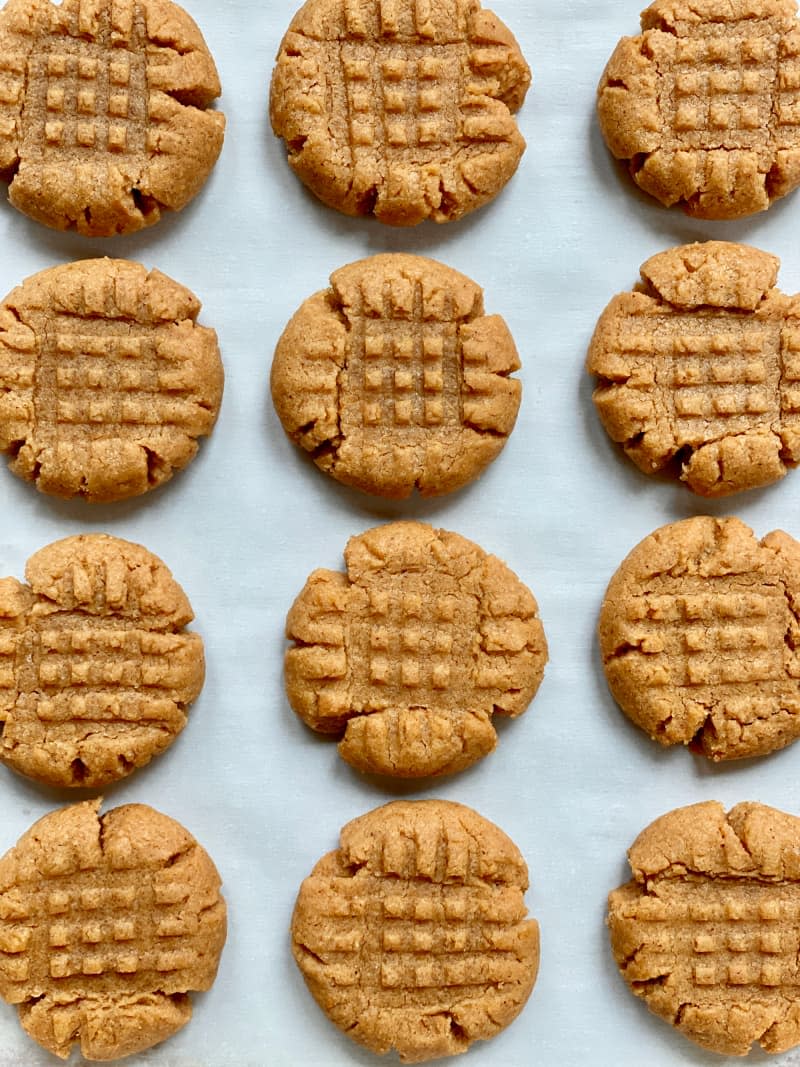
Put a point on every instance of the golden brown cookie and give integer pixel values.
(401, 109)
(395, 379)
(412, 935)
(699, 369)
(700, 637)
(708, 931)
(704, 104)
(96, 671)
(102, 111)
(106, 379)
(407, 656)
(106, 924)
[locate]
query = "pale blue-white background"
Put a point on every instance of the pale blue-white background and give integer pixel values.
(572, 782)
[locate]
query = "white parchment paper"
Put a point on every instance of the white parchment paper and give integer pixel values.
(572, 781)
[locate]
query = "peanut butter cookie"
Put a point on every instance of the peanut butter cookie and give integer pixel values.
(395, 379)
(106, 924)
(708, 931)
(699, 369)
(106, 379)
(407, 656)
(96, 671)
(103, 120)
(413, 934)
(705, 104)
(401, 109)
(699, 634)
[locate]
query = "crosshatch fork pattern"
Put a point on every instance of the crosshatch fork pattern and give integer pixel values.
(86, 88)
(424, 938)
(105, 925)
(94, 95)
(414, 934)
(395, 379)
(96, 679)
(400, 109)
(104, 117)
(714, 375)
(699, 369)
(700, 637)
(707, 932)
(706, 106)
(732, 90)
(404, 107)
(732, 934)
(413, 651)
(95, 375)
(408, 656)
(709, 632)
(108, 379)
(404, 367)
(72, 927)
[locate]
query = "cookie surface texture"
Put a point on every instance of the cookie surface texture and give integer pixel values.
(395, 379)
(401, 109)
(699, 634)
(106, 379)
(407, 656)
(96, 671)
(103, 120)
(106, 925)
(699, 369)
(703, 104)
(413, 934)
(707, 931)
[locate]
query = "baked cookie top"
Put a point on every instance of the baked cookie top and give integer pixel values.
(103, 120)
(705, 104)
(401, 109)
(394, 378)
(699, 369)
(699, 634)
(106, 379)
(96, 670)
(413, 934)
(407, 656)
(106, 924)
(708, 931)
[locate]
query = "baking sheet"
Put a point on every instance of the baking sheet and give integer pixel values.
(572, 781)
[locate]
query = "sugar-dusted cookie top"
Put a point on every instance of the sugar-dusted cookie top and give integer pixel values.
(106, 379)
(707, 933)
(699, 369)
(96, 669)
(413, 934)
(106, 924)
(103, 120)
(705, 104)
(408, 655)
(401, 109)
(394, 378)
(699, 634)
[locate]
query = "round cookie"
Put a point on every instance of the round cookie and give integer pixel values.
(106, 924)
(106, 380)
(401, 109)
(96, 671)
(699, 634)
(699, 367)
(413, 935)
(707, 932)
(407, 656)
(102, 117)
(395, 379)
(702, 105)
